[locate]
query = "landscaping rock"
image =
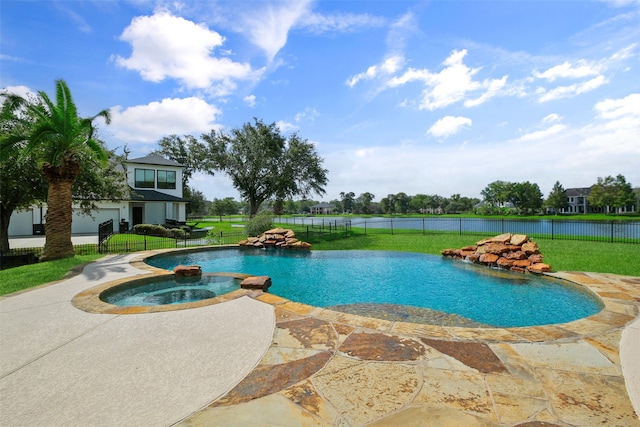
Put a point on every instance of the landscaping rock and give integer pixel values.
(515, 252)
(256, 282)
(187, 271)
(280, 238)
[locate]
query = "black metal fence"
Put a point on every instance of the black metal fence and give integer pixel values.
(128, 242)
(602, 231)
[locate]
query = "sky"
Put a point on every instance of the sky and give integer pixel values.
(421, 97)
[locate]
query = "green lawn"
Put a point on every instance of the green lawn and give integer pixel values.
(27, 276)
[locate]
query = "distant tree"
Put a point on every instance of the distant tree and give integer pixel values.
(496, 193)
(557, 199)
(348, 201)
(262, 164)
(226, 206)
(388, 204)
(401, 201)
(197, 201)
(291, 207)
(459, 204)
(364, 201)
(525, 196)
(625, 197)
(610, 192)
(62, 142)
(186, 150)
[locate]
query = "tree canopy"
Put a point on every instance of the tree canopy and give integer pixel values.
(611, 192)
(263, 164)
(557, 199)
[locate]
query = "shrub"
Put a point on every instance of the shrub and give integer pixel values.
(151, 230)
(177, 233)
(260, 223)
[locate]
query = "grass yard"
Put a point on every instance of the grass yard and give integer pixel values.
(27, 276)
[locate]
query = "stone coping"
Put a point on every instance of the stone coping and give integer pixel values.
(620, 298)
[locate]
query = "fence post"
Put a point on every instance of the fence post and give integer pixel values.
(145, 241)
(611, 231)
(460, 225)
(423, 233)
(502, 225)
(365, 227)
(392, 226)
(552, 229)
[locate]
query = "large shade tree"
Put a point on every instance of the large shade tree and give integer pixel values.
(61, 142)
(21, 184)
(263, 164)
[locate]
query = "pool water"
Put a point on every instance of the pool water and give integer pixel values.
(169, 290)
(328, 278)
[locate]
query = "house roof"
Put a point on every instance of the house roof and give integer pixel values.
(576, 192)
(155, 160)
(153, 196)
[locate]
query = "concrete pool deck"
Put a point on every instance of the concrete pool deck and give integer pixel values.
(262, 360)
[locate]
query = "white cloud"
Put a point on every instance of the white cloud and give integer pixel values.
(451, 84)
(553, 117)
(250, 100)
(148, 123)
(542, 134)
(308, 114)
(340, 22)
(567, 70)
(494, 87)
(268, 27)
(448, 126)
(167, 46)
(572, 90)
(387, 67)
(619, 108)
(20, 90)
(285, 126)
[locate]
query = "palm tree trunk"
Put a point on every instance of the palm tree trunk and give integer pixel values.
(59, 210)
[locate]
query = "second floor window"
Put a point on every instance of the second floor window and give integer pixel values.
(145, 178)
(167, 180)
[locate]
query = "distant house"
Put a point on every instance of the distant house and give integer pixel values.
(156, 196)
(322, 209)
(578, 203)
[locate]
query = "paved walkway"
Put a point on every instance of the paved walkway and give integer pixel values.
(60, 366)
(38, 241)
(225, 364)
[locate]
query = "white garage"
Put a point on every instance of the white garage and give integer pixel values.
(85, 224)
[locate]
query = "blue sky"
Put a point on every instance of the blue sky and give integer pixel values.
(431, 97)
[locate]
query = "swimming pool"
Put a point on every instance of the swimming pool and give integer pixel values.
(329, 278)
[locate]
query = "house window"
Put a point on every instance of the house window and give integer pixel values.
(167, 179)
(145, 178)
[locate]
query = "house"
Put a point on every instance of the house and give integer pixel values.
(577, 201)
(156, 196)
(322, 209)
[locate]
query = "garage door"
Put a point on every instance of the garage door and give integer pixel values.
(84, 224)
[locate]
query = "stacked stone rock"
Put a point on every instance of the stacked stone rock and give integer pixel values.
(515, 252)
(276, 238)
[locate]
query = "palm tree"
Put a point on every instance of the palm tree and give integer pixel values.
(59, 140)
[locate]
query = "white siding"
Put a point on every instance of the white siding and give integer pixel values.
(84, 224)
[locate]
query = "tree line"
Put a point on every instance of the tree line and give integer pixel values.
(499, 197)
